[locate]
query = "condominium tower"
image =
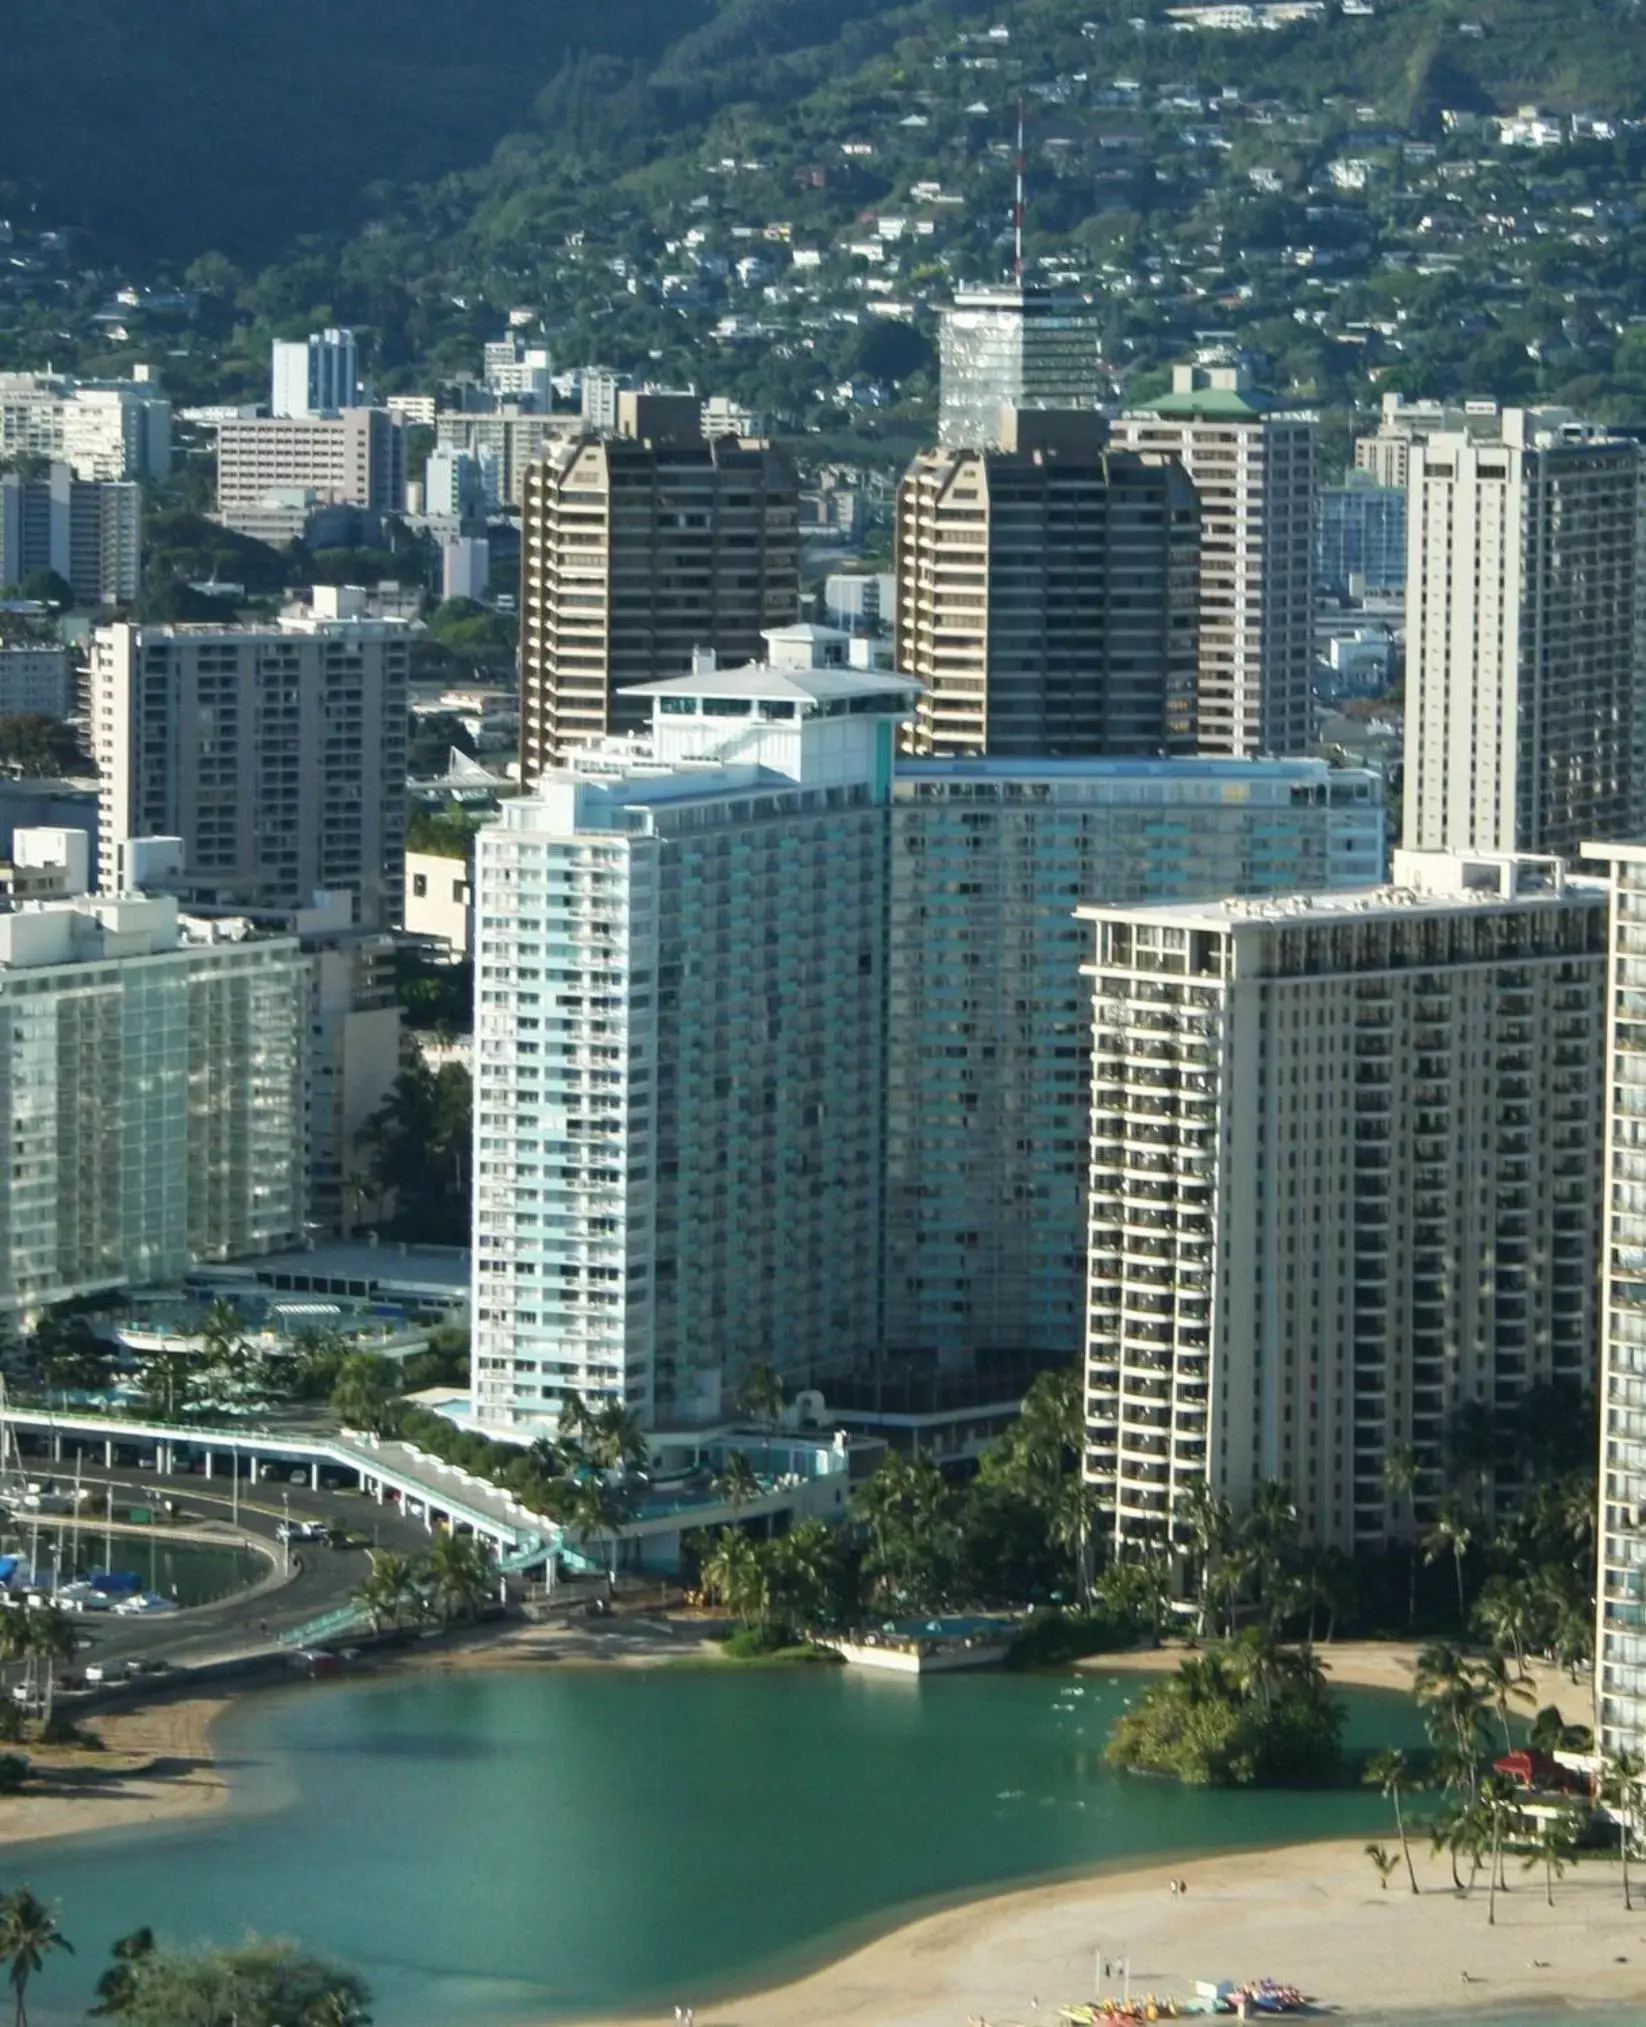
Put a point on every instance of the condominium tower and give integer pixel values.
(1253, 468)
(276, 754)
(637, 550)
(151, 1095)
(1047, 595)
(781, 1047)
(1019, 347)
(988, 1043)
(1525, 651)
(89, 531)
(1620, 1632)
(679, 1048)
(1342, 1185)
(101, 429)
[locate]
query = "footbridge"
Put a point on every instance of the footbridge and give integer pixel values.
(244, 1457)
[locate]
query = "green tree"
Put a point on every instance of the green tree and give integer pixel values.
(364, 1392)
(732, 1574)
(1390, 1773)
(1450, 1535)
(763, 1397)
(736, 1482)
(1400, 1477)
(915, 1538)
(460, 1573)
(1552, 1847)
(390, 1592)
(418, 1150)
(258, 1984)
(1386, 1862)
(616, 1441)
(1620, 1778)
(115, 1986)
(28, 1935)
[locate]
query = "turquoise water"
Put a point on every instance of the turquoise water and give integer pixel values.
(491, 1849)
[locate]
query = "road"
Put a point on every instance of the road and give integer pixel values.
(322, 1578)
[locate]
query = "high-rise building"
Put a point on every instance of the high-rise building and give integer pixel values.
(274, 471)
(1342, 1185)
(751, 989)
(1525, 648)
(517, 368)
(1360, 538)
(504, 446)
(1047, 595)
(316, 375)
(635, 552)
(151, 1095)
(89, 531)
(277, 755)
(101, 429)
(1253, 468)
(1620, 1632)
(1018, 347)
(680, 1007)
(599, 390)
(989, 1034)
(1385, 457)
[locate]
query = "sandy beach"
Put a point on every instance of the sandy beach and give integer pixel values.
(1312, 1915)
(73, 1794)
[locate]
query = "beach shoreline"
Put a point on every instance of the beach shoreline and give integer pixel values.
(1312, 1915)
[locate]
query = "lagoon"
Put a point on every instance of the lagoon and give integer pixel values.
(504, 1847)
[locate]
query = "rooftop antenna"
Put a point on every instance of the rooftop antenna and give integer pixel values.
(1017, 218)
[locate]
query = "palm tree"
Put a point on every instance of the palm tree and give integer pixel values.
(576, 1424)
(1391, 1774)
(460, 1573)
(1497, 1685)
(1385, 1861)
(731, 1573)
(1507, 1616)
(1450, 1535)
(1210, 1522)
(1620, 1778)
(763, 1397)
(390, 1590)
(1400, 1475)
(1497, 1797)
(1069, 1528)
(736, 1483)
(28, 1931)
(1552, 1849)
(800, 1569)
(50, 1633)
(616, 1441)
(597, 1509)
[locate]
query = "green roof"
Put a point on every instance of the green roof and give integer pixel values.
(1214, 402)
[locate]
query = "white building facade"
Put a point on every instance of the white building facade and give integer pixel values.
(781, 1050)
(151, 1088)
(1620, 1631)
(1342, 1185)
